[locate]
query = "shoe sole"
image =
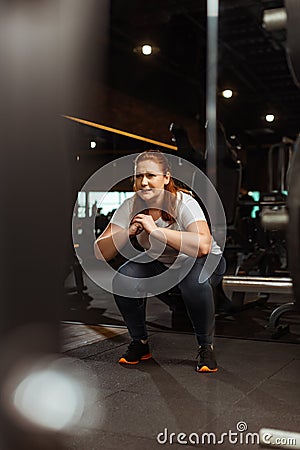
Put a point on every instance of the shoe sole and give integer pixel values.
(206, 369)
(143, 358)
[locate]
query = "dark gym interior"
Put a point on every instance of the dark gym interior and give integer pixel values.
(215, 83)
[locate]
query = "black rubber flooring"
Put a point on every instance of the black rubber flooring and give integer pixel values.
(257, 386)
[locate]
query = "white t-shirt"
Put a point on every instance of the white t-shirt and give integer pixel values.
(188, 211)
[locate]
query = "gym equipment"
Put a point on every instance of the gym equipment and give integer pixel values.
(274, 19)
(77, 271)
(185, 148)
(268, 255)
(279, 161)
(293, 228)
(257, 284)
(293, 38)
(257, 246)
(233, 285)
(272, 205)
(288, 17)
(276, 216)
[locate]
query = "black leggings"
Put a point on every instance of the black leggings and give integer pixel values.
(198, 298)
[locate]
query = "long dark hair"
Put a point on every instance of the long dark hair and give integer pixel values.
(168, 213)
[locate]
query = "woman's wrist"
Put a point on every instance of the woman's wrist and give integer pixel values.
(158, 234)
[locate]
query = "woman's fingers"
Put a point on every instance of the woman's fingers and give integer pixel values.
(139, 228)
(141, 216)
(146, 221)
(135, 228)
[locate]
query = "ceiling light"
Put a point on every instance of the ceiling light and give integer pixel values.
(146, 50)
(227, 93)
(93, 144)
(270, 117)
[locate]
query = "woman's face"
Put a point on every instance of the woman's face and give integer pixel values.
(150, 180)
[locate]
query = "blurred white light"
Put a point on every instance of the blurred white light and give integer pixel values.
(212, 8)
(270, 117)
(93, 144)
(146, 49)
(227, 93)
(77, 158)
(49, 399)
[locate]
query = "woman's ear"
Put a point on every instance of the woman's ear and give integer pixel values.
(167, 178)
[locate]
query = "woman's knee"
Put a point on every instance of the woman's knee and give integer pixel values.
(205, 274)
(129, 280)
(127, 269)
(191, 286)
(217, 276)
(121, 280)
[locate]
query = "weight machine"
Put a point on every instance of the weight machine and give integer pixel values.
(280, 215)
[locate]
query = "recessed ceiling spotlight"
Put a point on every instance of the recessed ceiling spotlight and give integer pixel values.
(93, 144)
(270, 117)
(227, 93)
(146, 49)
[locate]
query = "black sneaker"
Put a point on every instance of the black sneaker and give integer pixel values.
(206, 359)
(136, 352)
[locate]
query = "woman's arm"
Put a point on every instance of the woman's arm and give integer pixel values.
(113, 239)
(195, 241)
